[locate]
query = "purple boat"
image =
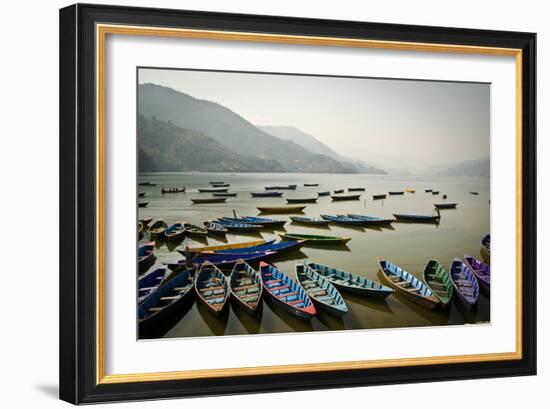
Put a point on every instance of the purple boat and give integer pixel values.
(481, 270)
(464, 282)
(224, 260)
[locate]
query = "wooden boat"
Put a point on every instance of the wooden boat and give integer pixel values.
(301, 200)
(314, 238)
(485, 250)
(261, 221)
(417, 218)
(279, 248)
(140, 229)
(141, 194)
(220, 184)
(428, 190)
(311, 184)
(164, 302)
(175, 232)
(214, 228)
(225, 260)
(158, 228)
(313, 221)
(410, 190)
(396, 192)
(146, 184)
(194, 230)
(226, 194)
(323, 294)
(465, 283)
(143, 204)
(212, 190)
(146, 256)
(281, 209)
(378, 197)
(407, 284)
(239, 226)
(209, 200)
(321, 194)
(173, 190)
(343, 220)
(350, 282)
(286, 293)
(445, 205)
(371, 220)
(146, 222)
(212, 287)
(356, 189)
(339, 191)
(435, 192)
(226, 246)
(266, 194)
(245, 284)
(481, 270)
(439, 281)
(287, 187)
(339, 198)
(149, 283)
(474, 193)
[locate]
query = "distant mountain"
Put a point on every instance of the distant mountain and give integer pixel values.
(164, 147)
(231, 130)
(312, 144)
(474, 168)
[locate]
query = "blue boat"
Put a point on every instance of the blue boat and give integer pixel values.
(215, 228)
(286, 293)
(282, 247)
(261, 221)
(407, 284)
(465, 283)
(371, 220)
(212, 287)
(175, 232)
(351, 282)
(323, 294)
(239, 226)
(146, 256)
(245, 284)
(224, 260)
(344, 220)
(150, 282)
(313, 221)
(165, 301)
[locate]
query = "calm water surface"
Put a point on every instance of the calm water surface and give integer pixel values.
(408, 245)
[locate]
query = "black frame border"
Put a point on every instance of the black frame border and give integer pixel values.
(78, 197)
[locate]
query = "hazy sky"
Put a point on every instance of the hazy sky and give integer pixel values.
(395, 123)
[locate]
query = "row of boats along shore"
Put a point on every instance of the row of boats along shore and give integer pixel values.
(244, 272)
(219, 191)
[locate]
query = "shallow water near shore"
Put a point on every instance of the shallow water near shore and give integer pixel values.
(409, 245)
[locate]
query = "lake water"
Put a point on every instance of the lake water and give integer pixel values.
(408, 245)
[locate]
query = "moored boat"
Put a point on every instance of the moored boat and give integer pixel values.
(261, 221)
(287, 187)
(445, 205)
(435, 192)
(164, 302)
(224, 194)
(320, 290)
(147, 184)
(481, 270)
(225, 260)
(209, 200)
(339, 191)
(396, 192)
(282, 247)
(465, 283)
(474, 193)
(343, 220)
(239, 226)
(146, 256)
(218, 182)
(351, 282)
(281, 209)
(158, 228)
(226, 246)
(439, 281)
(410, 190)
(407, 284)
(371, 220)
(214, 228)
(417, 218)
(143, 204)
(212, 190)
(212, 287)
(266, 194)
(175, 232)
(311, 184)
(428, 190)
(220, 185)
(194, 230)
(313, 221)
(245, 284)
(286, 293)
(141, 194)
(380, 196)
(321, 194)
(294, 200)
(149, 283)
(315, 238)
(173, 189)
(342, 197)
(356, 189)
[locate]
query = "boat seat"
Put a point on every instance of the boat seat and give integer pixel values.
(155, 309)
(170, 298)
(245, 287)
(272, 282)
(180, 289)
(289, 295)
(147, 288)
(318, 293)
(298, 301)
(282, 287)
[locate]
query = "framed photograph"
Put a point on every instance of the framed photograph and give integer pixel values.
(257, 203)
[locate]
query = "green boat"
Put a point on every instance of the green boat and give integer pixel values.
(315, 239)
(439, 281)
